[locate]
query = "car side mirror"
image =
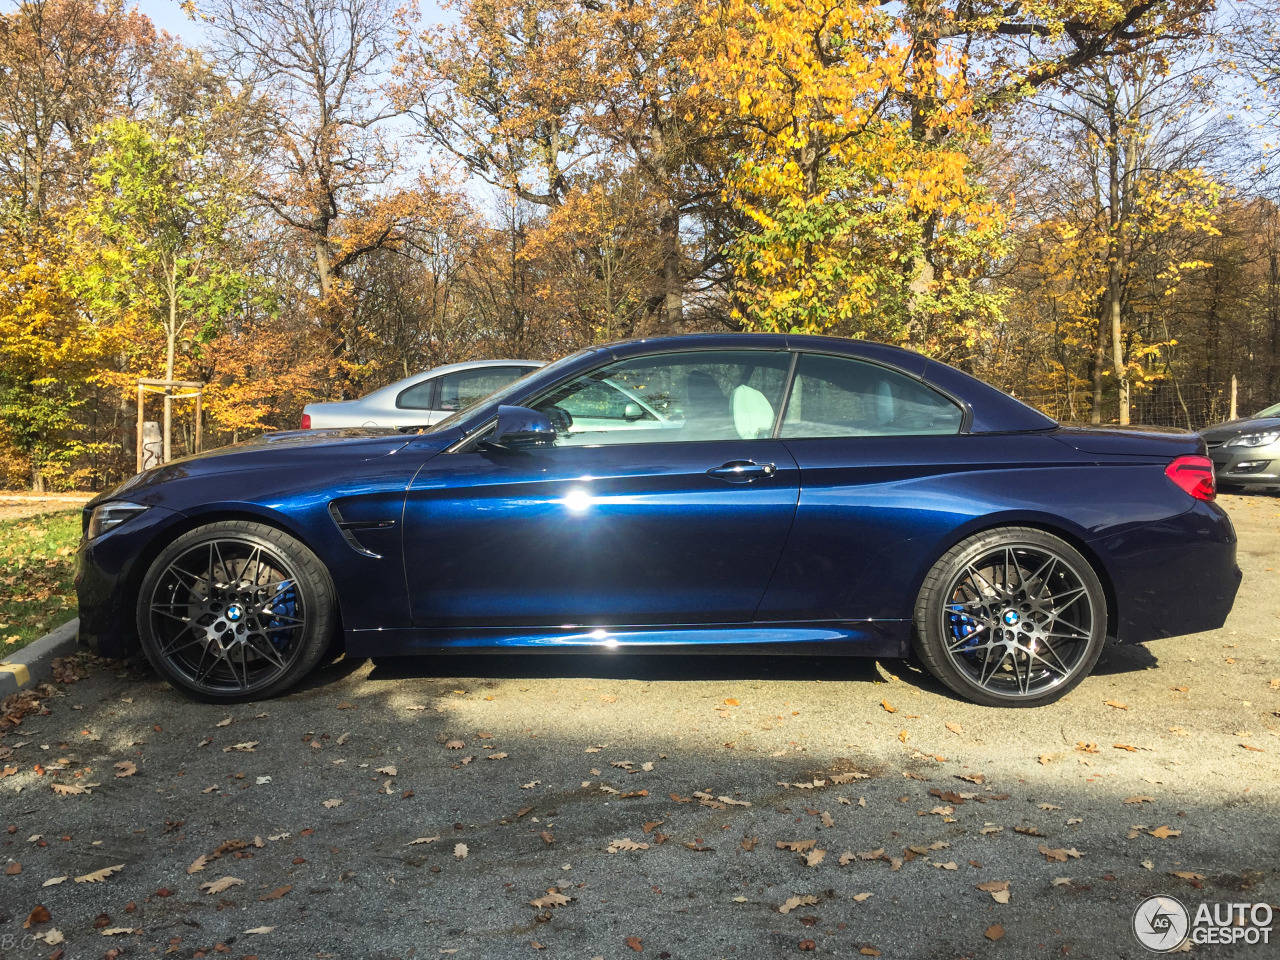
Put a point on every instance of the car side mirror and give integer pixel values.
(519, 428)
(632, 412)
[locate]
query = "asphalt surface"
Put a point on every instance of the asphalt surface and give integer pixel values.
(537, 765)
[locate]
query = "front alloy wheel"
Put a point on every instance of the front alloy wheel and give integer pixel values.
(235, 611)
(1011, 617)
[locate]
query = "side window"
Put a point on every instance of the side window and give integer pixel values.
(701, 395)
(843, 397)
(417, 397)
(460, 390)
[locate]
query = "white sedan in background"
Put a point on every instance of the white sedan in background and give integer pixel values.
(422, 399)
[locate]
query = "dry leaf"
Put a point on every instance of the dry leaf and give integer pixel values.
(423, 840)
(126, 768)
(198, 864)
(888, 707)
(387, 771)
(241, 747)
(1045, 758)
(260, 929)
(632, 942)
(861, 897)
(224, 723)
(276, 894)
(97, 876)
(1164, 833)
(814, 857)
(68, 789)
(330, 804)
(1116, 704)
(219, 886)
(1062, 881)
(796, 846)
(116, 931)
(994, 932)
(794, 902)
(552, 899)
(827, 819)
(626, 844)
(54, 881)
(1058, 854)
(454, 744)
(497, 756)
(954, 727)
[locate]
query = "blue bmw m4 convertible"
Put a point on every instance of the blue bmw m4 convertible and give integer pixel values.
(732, 493)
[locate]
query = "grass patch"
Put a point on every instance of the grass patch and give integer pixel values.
(37, 567)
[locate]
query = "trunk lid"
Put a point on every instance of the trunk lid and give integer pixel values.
(1166, 443)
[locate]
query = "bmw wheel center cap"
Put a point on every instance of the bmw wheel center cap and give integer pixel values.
(1011, 617)
(235, 612)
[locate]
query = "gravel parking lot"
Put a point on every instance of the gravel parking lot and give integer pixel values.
(606, 806)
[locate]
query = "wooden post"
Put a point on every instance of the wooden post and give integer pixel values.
(141, 417)
(199, 416)
(168, 423)
(1234, 393)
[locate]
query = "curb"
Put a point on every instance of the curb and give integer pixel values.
(34, 662)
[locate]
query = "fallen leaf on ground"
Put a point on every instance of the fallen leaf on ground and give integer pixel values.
(994, 932)
(634, 942)
(552, 899)
(794, 902)
(460, 851)
(126, 768)
(888, 707)
(68, 789)
(276, 894)
(954, 727)
(1116, 705)
(97, 876)
(1164, 833)
(260, 930)
(1058, 854)
(454, 744)
(861, 897)
(198, 864)
(54, 881)
(814, 857)
(1139, 798)
(626, 844)
(1186, 875)
(223, 884)
(330, 804)
(796, 846)
(247, 747)
(388, 771)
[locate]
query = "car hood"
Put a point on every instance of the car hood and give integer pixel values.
(1131, 441)
(285, 450)
(1233, 428)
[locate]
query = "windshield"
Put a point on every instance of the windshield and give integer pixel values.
(1271, 411)
(500, 396)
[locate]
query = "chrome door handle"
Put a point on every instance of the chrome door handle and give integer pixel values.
(742, 471)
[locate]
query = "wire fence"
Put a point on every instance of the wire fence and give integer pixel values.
(1162, 404)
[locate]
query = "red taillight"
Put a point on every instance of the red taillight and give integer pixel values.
(1194, 475)
(306, 421)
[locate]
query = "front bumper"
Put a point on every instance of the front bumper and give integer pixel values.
(108, 573)
(1257, 467)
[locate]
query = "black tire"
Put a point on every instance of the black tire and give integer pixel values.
(230, 593)
(1011, 617)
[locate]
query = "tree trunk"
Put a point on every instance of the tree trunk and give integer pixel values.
(1099, 365)
(1115, 284)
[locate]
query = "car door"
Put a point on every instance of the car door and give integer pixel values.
(672, 508)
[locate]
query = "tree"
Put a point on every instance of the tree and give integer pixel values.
(153, 237)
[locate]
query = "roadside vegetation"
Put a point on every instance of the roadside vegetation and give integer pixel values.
(37, 566)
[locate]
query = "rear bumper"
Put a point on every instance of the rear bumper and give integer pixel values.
(1175, 576)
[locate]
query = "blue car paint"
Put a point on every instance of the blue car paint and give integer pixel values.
(636, 547)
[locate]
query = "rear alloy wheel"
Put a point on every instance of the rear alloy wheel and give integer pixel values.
(1013, 617)
(235, 611)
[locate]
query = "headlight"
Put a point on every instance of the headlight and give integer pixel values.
(108, 516)
(1254, 440)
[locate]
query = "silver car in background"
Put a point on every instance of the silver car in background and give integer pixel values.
(422, 399)
(1246, 453)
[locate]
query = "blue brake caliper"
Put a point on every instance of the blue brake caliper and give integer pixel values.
(962, 626)
(285, 603)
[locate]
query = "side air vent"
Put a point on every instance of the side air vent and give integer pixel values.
(349, 529)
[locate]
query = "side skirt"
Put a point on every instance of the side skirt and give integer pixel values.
(864, 638)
